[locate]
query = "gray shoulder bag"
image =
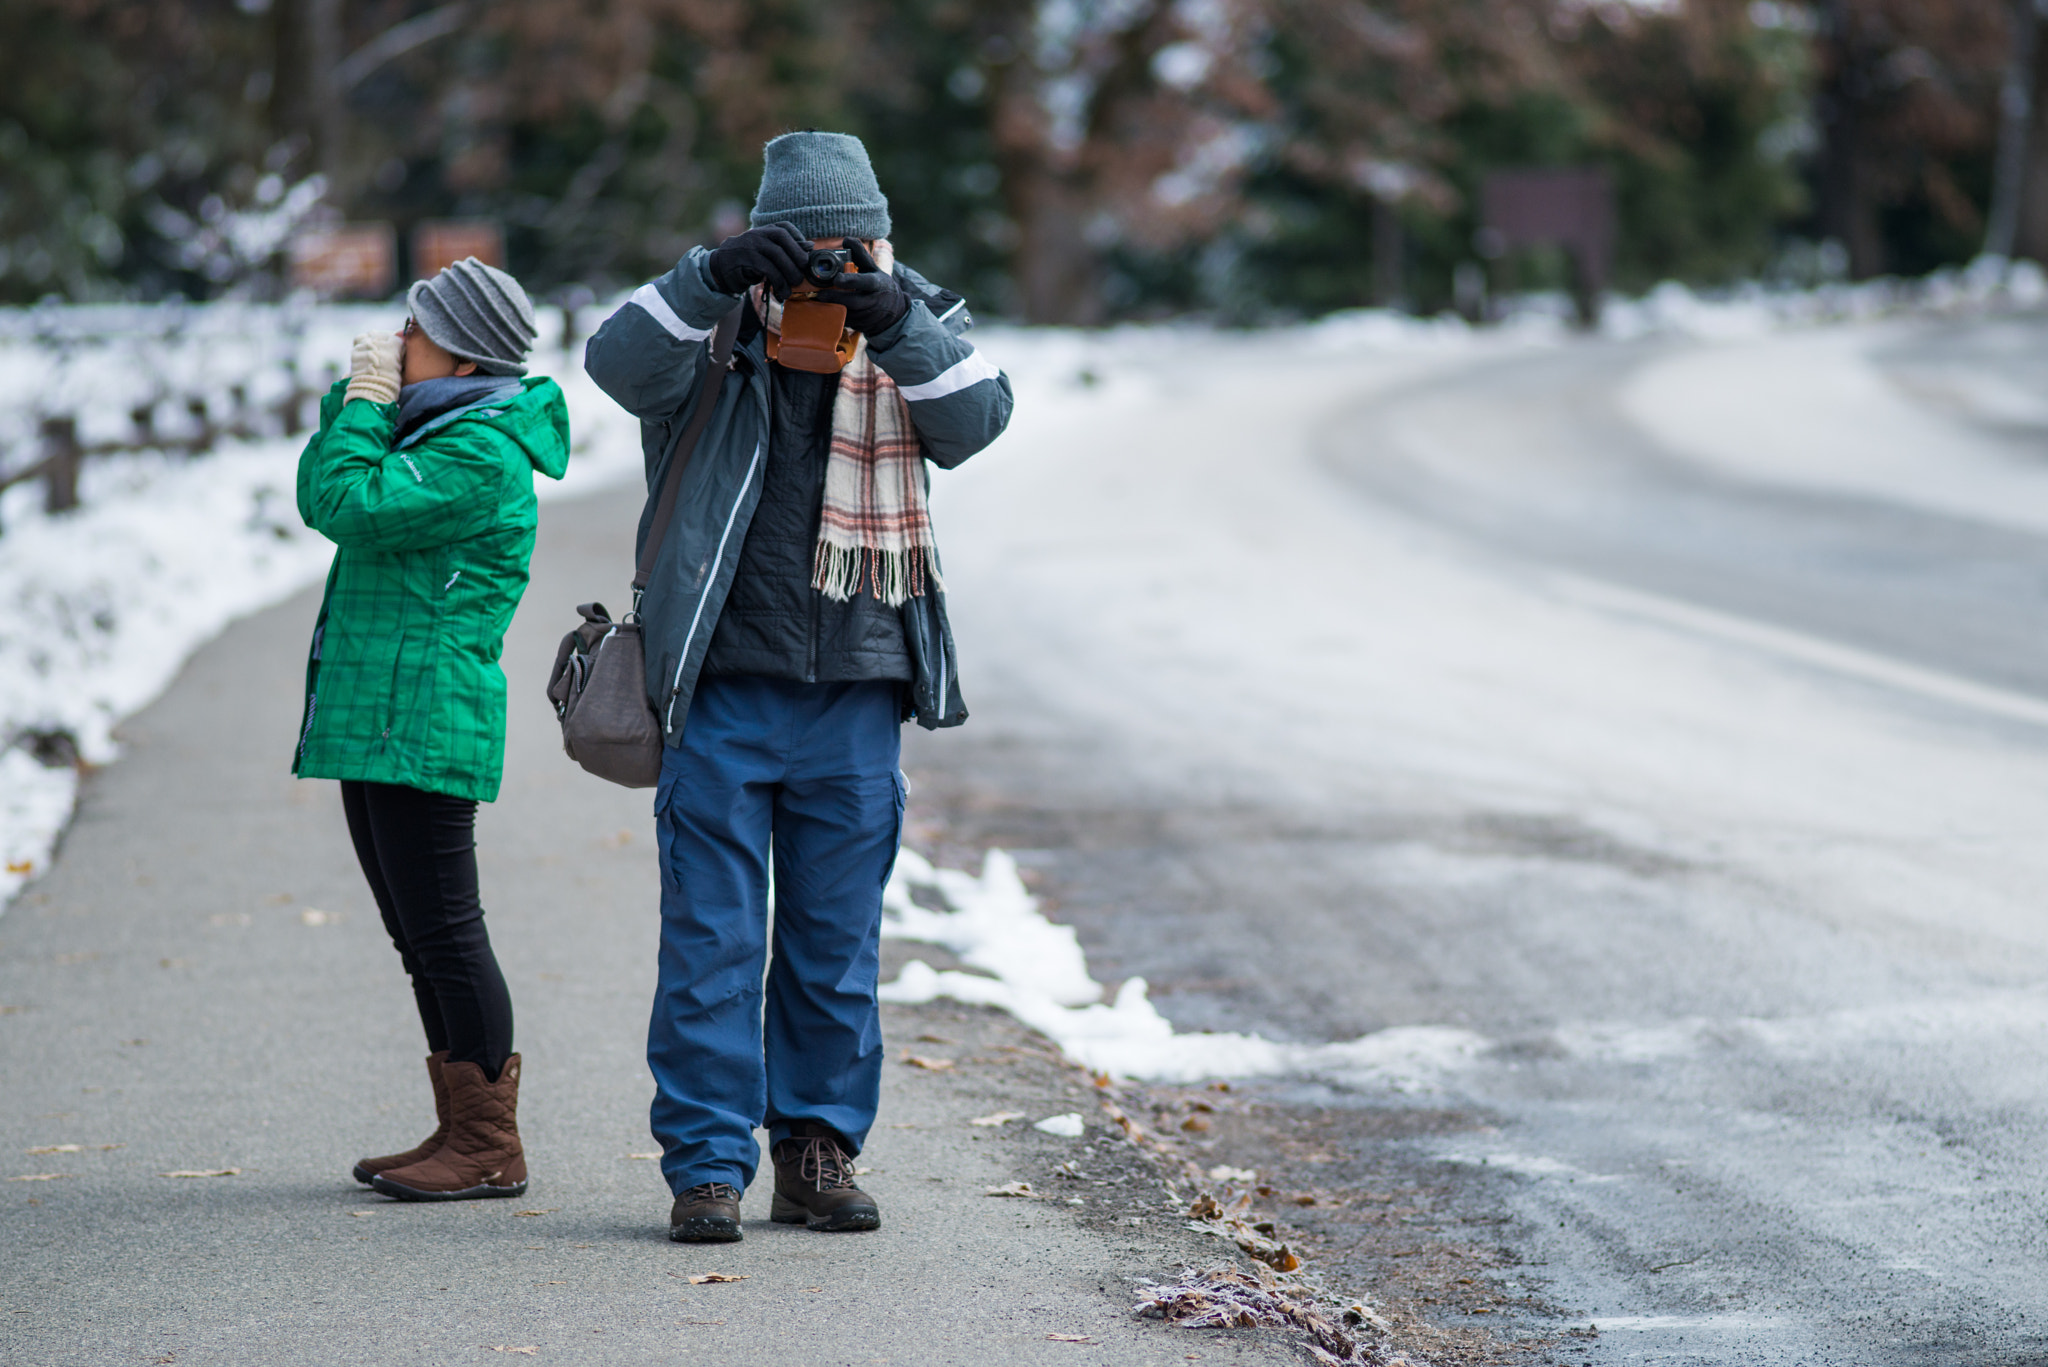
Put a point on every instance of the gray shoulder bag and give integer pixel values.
(599, 682)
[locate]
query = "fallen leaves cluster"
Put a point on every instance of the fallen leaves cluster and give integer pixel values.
(1278, 1296)
(1225, 1298)
(1209, 1216)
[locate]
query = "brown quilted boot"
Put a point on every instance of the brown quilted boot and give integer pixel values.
(481, 1155)
(814, 1184)
(366, 1168)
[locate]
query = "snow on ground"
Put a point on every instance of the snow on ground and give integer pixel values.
(1037, 973)
(1808, 409)
(1157, 553)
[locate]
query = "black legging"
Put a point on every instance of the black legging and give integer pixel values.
(418, 850)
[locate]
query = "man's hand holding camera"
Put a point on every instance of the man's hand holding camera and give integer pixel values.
(871, 297)
(775, 256)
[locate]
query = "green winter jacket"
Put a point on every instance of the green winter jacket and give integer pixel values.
(403, 684)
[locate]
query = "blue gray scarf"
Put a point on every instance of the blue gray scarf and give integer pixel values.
(419, 404)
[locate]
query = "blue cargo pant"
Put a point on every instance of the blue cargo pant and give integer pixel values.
(806, 773)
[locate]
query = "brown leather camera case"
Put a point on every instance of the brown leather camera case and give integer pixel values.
(813, 337)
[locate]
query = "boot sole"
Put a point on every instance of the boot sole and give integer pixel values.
(381, 1183)
(847, 1220)
(362, 1174)
(706, 1229)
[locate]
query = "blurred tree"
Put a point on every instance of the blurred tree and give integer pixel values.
(114, 163)
(1907, 104)
(1064, 160)
(2024, 105)
(1693, 108)
(1375, 107)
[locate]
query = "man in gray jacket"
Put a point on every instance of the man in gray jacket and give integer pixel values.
(794, 620)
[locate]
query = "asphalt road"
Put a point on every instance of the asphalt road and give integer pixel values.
(1765, 1080)
(202, 985)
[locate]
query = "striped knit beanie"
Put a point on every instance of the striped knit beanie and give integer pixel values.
(476, 313)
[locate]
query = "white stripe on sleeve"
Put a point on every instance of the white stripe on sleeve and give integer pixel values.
(973, 370)
(649, 298)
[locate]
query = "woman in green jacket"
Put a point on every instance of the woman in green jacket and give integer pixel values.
(422, 476)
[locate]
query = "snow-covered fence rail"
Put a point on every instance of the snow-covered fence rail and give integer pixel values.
(94, 380)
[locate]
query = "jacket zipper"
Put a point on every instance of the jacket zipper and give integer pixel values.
(811, 664)
(817, 521)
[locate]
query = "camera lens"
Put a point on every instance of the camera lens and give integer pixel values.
(823, 265)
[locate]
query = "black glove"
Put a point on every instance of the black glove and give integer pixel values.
(773, 253)
(874, 301)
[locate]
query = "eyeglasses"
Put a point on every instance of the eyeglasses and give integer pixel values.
(411, 326)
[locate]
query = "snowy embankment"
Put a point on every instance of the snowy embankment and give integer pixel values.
(1158, 557)
(101, 606)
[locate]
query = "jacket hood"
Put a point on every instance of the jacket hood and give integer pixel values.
(538, 420)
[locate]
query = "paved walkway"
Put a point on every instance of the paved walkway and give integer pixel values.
(202, 983)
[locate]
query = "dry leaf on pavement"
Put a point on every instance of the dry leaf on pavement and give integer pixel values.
(643, 1155)
(702, 1277)
(203, 1172)
(932, 1065)
(527, 1351)
(547, 1210)
(998, 1118)
(1070, 1338)
(39, 1177)
(55, 1148)
(1011, 1189)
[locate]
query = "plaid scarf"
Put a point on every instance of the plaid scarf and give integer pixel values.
(875, 529)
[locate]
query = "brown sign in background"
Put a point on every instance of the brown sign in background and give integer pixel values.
(1570, 207)
(346, 261)
(438, 242)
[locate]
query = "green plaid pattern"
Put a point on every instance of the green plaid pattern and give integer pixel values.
(403, 683)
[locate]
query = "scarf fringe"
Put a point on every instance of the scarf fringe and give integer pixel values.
(839, 572)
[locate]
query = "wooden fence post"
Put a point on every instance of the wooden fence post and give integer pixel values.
(60, 462)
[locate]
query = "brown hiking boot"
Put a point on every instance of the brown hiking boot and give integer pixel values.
(814, 1184)
(366, 1168)
(708, 1213)
(481, 1155)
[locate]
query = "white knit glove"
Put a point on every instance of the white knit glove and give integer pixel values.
(373, 367)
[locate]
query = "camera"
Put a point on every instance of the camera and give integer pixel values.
(825, 265)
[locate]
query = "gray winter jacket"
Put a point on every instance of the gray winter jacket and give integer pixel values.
(651, 356)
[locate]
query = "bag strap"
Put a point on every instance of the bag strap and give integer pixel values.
(685, 446)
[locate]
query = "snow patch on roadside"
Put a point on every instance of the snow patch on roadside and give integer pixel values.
(1039, 975)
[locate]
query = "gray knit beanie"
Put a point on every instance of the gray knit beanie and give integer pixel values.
(822, 185)
(476, 313)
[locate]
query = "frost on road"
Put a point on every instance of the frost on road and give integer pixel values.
(1642, 746)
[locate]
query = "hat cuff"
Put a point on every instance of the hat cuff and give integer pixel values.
(864, 221)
